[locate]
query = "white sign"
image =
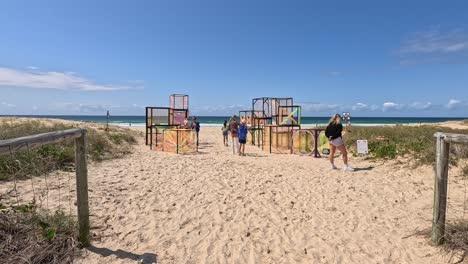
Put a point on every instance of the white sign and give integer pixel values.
(362, 147)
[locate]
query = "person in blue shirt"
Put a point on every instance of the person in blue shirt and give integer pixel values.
(196, 126)
(242, 134)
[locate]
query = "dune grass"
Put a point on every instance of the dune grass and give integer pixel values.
(33, 235)
(100, 145)
(389, 142)
(28, 235)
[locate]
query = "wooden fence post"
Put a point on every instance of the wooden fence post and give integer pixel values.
(82, 189)
(440, 190)
(79, 135)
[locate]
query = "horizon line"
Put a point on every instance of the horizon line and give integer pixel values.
(54, 115)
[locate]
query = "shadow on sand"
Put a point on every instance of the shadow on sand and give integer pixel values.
(205, 144)
(255, 155)
(146, 258)
(364, 169)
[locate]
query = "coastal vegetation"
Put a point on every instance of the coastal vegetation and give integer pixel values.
(417, 145)
(100, 145)
(28, 232)
(30, 235)
(416, 142)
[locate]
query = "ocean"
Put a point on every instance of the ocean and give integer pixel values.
(218, 120)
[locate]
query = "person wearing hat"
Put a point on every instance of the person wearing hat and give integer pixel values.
(242, 134)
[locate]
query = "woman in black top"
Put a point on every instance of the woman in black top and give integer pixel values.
(333, 132)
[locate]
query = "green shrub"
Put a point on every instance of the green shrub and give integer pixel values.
(30, 235)
(389, 142)
(100, 145)
(385, 150)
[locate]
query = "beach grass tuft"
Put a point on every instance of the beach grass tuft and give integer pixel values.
(28, 235)
(418, 142)
(100, 145)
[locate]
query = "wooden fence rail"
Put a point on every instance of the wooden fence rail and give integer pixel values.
(440, 183)
(11, 146)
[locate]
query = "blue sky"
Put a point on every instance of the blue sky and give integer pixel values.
(371, 58)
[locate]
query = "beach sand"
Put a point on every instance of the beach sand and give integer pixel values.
(216, 207)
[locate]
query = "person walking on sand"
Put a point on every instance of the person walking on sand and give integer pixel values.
(225, 129)
(242, 134)
(333, 133)
(233, 125)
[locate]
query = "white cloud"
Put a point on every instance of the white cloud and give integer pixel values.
(81, 107)
(93, 108)
(420, 105)
(391, 106)
(53, 80)
(436, 41)
(318, 107)
(360, 107)
(219, 109)
(452, 103)
(8, 105)
(138, 106)
(435, 46)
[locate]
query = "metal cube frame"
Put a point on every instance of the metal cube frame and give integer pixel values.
(179, 101)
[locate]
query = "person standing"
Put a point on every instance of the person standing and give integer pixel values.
(225, 129)
(186, 123)
(333, 133)
(233, 125)
(196, 126)
(242, 134)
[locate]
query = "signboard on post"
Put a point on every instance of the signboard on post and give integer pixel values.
(362, 147)
(107, 120)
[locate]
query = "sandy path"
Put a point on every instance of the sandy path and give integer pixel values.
(218, 208)
(214, 207)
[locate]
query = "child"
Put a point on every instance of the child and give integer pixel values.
(242, 134)
(225, 130)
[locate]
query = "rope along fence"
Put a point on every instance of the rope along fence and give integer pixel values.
(33, 182)
(450, 210)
